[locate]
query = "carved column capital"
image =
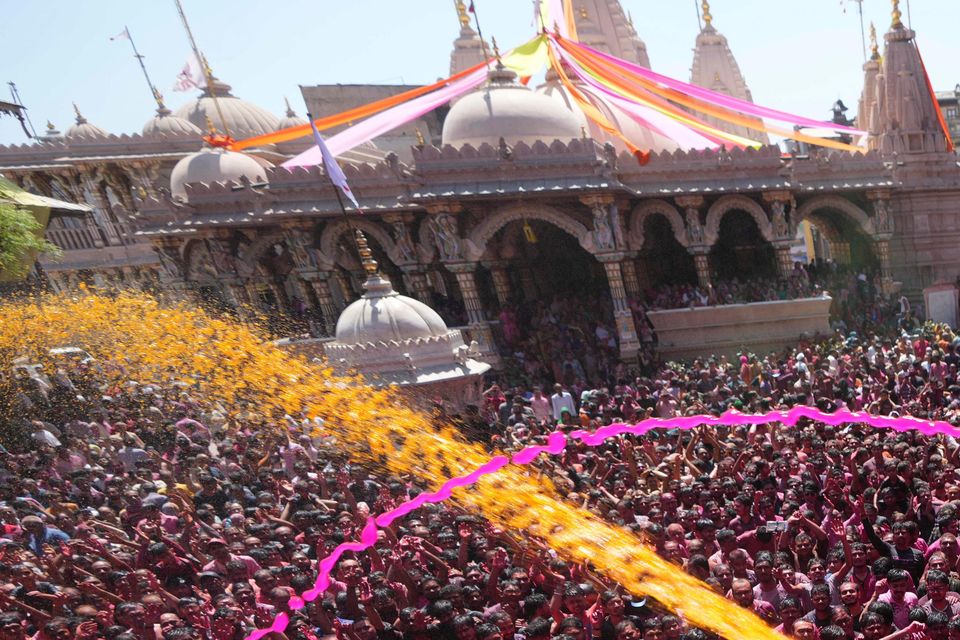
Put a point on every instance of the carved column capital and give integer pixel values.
(689, 201)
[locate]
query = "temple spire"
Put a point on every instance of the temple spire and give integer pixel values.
(874, 47)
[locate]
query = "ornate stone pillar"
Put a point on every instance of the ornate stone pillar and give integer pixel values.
(465, 273)
(501, 282)
(882, 248)
(839, 251)
(419, 283)
(701, 262)
(630, 280)
(101, 206)
(629, 343)
(784, 260)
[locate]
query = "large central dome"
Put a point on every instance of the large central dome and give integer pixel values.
(243, 119)
(505, 109)
(383, 315)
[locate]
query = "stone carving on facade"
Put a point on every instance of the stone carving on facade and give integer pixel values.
(170, 262)
(694, 228)
(781, 222)
(444, 228)
(405, 248)
(615, 222)
(603, 236)
(303, 255)
(883, 221)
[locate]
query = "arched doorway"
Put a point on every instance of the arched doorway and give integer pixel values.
(741, 251)
(663, 259)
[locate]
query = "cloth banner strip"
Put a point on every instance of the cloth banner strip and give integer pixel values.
(388, 120)
(727, 102)
(591, 111)
(936, 103)
(557, 442)
(351, 115)
(706, 135)
(622, 84)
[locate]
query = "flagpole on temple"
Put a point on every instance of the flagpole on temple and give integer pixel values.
(143, 67)
(476, 20)
(205, 67)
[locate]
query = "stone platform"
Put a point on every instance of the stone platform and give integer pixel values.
(758, 327)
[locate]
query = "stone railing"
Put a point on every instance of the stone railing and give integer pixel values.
(73, 239)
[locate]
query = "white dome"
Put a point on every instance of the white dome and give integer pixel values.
(638, 134)
(293, 147)
(167, 124)
(505, 109)
(244, 119)
(383, 315)
(213, 165)
(83, 129)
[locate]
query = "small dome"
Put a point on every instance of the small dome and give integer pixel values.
(244, 119)
(505, 109)
(167, 124)
(293, 147)
(83, 129)
(383, 315)
(213, 165)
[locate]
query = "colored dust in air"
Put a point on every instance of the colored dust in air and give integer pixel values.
(134, 337)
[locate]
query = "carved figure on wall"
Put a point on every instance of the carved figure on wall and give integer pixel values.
(694, 228)
(405, 247)
(444, 228)
(170, 262)
(302, 254)
(883, 220)
(614, 213)
(602, 233)
(781, 227)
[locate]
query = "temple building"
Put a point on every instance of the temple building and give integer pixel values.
(508, 197)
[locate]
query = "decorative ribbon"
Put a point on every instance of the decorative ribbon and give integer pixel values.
(557, 442)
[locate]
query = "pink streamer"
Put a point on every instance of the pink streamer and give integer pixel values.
(719, 99)
(388, 120)
(557, 441)
(666, 126)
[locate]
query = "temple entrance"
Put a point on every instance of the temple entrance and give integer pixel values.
(557, 320)
(663, 260)
(741, 251)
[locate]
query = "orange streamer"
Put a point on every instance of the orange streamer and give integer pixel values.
(592, 112)
(345, 117)
(633, 85)
(933, 98)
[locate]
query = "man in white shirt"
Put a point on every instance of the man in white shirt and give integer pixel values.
(561, 399)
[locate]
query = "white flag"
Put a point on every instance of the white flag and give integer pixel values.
(191, 76)
(123, 35)
(334, 172)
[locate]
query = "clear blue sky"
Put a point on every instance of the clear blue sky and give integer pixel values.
(797, 55)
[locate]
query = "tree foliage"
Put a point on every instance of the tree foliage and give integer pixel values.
(20, 240)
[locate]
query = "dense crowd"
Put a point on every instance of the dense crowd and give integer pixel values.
(138, 512)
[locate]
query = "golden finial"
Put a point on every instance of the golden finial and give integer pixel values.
(210, 128)
(874, 47)
(290, 112)
(583, 12)
(420, 141)
(707, 18)
(366, 256)
(80, 118)
(159, 98)
(462, 13)
(50, 126)
(896, 14)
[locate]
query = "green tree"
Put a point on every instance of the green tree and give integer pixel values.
(21, 240)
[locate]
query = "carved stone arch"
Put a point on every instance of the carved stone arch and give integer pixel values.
(481, 234)
(642, 212)
(809, 211)
(824, 225)
(736, 202)
(199, 266)
(332, 233)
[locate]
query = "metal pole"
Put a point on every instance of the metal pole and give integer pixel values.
(207, 72)
(136, 54)
(696, 6)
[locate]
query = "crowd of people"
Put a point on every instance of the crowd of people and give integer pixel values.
(143, 513)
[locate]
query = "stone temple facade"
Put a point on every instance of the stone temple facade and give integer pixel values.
(513, 201)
